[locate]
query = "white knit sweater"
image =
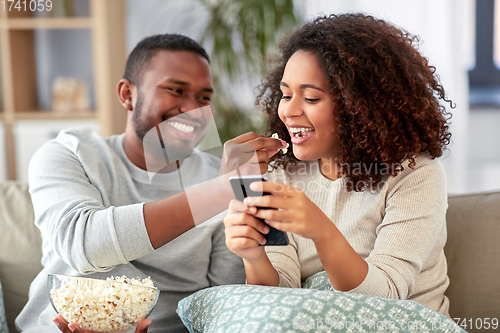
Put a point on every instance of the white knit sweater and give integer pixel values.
(399, 230)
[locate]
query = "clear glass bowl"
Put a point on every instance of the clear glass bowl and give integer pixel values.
(100, 305)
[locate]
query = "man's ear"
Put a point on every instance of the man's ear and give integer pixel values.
(125, 92)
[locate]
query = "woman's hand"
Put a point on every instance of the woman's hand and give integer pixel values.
(244, 233)
(293, 211)
(74, 328)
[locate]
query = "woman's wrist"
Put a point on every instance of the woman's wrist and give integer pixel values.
(327, 235)
(253, 262)
(260, 271)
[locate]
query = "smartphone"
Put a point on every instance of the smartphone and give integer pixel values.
(241, 189)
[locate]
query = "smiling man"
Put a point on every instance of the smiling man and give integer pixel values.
(101, 214)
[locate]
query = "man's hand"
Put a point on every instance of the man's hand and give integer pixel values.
(249, 152)
(73, 328)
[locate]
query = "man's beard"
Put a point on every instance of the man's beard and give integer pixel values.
(140, 127)
(155, 146)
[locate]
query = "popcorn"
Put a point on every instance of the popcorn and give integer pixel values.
(98, 305)
(283, 150)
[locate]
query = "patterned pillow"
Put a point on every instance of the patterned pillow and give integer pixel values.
(319, 281)
(3, 319)
(260, 309)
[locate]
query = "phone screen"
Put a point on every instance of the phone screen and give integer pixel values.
(241, 189)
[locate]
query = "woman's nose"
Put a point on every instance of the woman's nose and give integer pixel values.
(292, 108)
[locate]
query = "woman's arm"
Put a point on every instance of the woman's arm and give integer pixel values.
(410, 239)
(260, 271)
(345, 268)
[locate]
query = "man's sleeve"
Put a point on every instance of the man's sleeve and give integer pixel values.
(225, 266)
(73, 218)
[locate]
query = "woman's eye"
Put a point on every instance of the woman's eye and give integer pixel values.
(286, 98)
(311, 100)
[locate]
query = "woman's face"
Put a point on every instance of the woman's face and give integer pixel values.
(306, 109)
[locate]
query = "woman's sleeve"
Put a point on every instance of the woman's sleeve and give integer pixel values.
(412, 228)
(286, 262)
(284, 258)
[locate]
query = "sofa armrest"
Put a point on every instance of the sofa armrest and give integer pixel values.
(20, 247)
(473, 255)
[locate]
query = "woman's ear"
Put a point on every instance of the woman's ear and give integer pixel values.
(124, 90)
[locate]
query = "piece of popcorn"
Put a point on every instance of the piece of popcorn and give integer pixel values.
(283, 150)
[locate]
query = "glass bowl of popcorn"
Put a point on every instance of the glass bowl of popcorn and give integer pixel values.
(117, 304)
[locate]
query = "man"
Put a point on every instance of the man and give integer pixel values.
(100, 212)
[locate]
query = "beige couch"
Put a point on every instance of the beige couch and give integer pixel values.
(473, 252)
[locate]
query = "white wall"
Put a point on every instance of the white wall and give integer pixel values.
(483, 173)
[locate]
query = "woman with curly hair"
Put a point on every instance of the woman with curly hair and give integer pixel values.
(360, 191)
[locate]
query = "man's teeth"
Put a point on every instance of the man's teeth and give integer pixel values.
(299, 131)
(181, 127)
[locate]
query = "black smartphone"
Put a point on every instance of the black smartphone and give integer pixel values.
(241, 189)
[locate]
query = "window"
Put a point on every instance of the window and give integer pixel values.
(484, 77)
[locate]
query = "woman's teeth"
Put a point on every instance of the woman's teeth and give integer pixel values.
(181, 127)
(299, 132)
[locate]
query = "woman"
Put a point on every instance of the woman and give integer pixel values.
(360, 191)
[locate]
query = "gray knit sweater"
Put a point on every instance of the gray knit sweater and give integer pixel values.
(399, 230)
(88, 200)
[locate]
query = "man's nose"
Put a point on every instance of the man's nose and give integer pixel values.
(189, 103)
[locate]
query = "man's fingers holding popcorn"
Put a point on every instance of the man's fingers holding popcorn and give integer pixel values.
(250, 148)
(74, 328)
(65, 327)
(143, 326)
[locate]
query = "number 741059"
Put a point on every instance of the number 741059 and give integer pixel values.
(25, 5)
(478, 323)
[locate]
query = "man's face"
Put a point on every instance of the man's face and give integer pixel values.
(174, 88)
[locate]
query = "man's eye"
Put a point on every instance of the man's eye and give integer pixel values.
(175, 90)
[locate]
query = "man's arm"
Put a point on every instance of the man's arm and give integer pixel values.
(245, 154)
(86, 231)
(76, 217)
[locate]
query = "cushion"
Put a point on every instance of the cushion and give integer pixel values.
(473, 255)
(260, 309)
(3, 318)
(20, 247)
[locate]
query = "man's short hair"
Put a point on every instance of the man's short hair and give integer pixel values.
(143, 52)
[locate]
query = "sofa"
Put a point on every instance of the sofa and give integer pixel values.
(472, 250)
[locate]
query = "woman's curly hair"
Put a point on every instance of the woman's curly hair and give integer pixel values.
(386, 95)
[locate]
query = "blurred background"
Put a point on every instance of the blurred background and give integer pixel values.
(61, 61)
